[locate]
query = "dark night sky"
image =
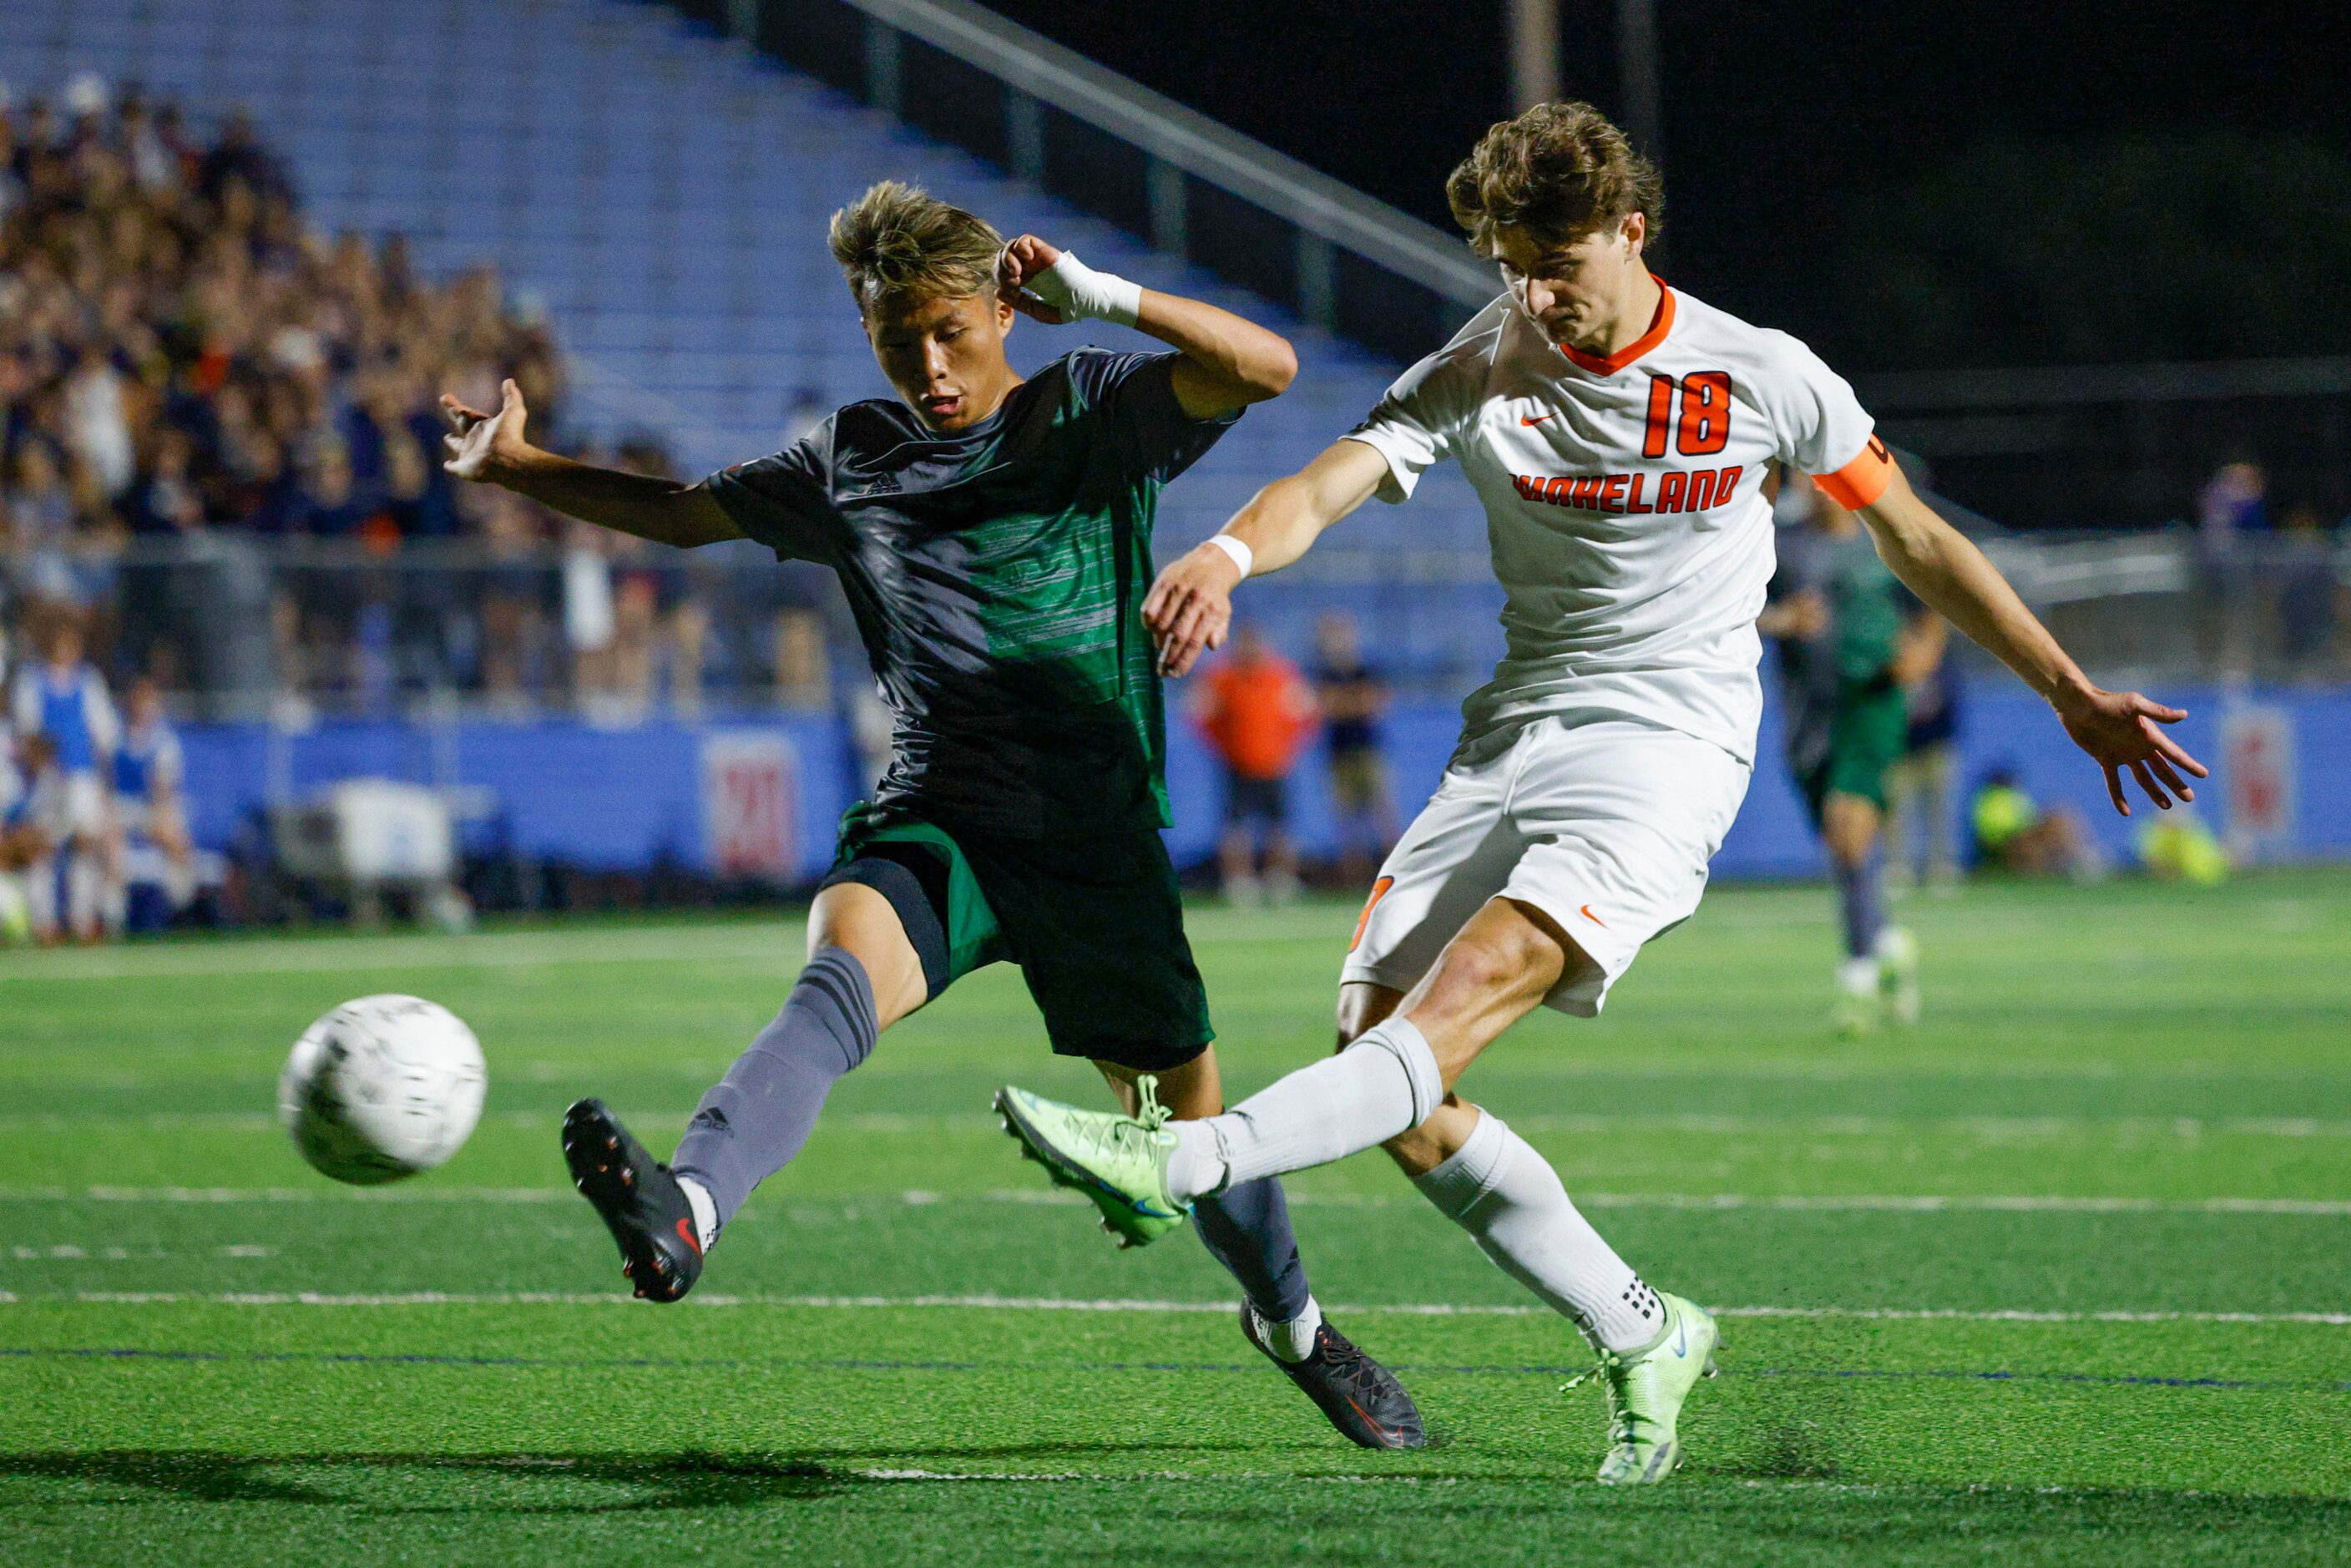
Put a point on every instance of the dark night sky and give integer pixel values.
(1778, 118)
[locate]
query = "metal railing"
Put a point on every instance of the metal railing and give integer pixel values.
(248, 627)
(2064, 446)
(1193, 188)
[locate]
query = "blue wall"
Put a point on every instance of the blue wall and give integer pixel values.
(601, 799)
(616, 798)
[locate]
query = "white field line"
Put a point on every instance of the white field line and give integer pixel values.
(916, 1198)
(778, 939)
(767, 941)
(990, 1303)
(1989, 1128)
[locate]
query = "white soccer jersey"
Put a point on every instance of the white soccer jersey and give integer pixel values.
(1625, 505)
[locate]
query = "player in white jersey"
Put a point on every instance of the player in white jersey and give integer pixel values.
(1620, 434)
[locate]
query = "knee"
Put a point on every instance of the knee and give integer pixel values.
(1487, 963)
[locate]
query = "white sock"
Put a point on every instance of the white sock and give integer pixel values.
(41, 896)
(1293, 1342)
(84, 893)
(1858, 976)
(1387, 1083)
(705, 1213)
(1512, 1204)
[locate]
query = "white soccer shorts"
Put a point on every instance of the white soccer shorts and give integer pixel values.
(81, 806)
(1606, 826)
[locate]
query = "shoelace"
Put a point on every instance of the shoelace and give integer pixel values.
(1613, 1370)
(1347, 1362)
(1118, 1134)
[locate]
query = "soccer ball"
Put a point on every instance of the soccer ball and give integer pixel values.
(382, 1088)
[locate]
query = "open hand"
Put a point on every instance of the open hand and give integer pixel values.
(1022, 260)
(481, 440)
(1800, 617)
(2119, 730)
(1190, 607)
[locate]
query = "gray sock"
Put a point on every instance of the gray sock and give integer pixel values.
(755, 1118)
(1247, 1229)
(1861, 898)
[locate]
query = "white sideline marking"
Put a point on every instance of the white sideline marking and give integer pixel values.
(1910, 1203)
(1057, 1305)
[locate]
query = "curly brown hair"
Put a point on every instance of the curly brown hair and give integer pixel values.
(1558, 171)
(899, 242)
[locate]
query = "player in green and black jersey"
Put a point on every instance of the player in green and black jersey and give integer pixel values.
(1853, 640)
(992, 535)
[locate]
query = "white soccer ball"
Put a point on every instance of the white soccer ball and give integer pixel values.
(382, 1088)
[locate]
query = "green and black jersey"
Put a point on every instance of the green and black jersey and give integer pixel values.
(996, 575)
(1846, 716)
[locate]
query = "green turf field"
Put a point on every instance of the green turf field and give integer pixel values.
(2063, 1275)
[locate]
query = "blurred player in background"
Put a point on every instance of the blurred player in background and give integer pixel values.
(1922, 840)
(1853, 640)
(1354, 698)
(992, 535)
(1256, 711)
(1619, 434)
(158, 874)
(61, 697)
(2013, 833)
(28, 791)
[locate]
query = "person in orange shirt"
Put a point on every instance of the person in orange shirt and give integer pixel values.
(1256, 711)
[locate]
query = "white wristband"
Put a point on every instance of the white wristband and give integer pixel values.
(1078, 291)
(1243, 557)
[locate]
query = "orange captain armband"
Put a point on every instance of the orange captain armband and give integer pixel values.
(1861, 481)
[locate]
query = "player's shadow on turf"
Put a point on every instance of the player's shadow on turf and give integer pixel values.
(654, 1481)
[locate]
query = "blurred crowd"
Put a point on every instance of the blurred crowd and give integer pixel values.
(181, 357)
(2266, 572)
(221, 451)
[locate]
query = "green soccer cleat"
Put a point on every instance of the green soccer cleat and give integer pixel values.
(1120, 1162)
(1646, 1389)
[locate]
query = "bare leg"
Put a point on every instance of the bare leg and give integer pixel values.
(1234, 864)
(1280, 865)
(857, 919)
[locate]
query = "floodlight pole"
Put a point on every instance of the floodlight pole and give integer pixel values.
(1636, 65)
(1535, 52)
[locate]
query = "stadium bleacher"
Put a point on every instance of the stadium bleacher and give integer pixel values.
(662, 193)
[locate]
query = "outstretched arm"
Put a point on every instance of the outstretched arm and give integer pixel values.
(2118, 729)
(1191, 605)
(490, 448)
(1229, 363)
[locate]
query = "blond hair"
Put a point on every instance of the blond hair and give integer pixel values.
(897, 241)
(1558, 171)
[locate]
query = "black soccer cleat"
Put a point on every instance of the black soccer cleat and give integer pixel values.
(1362, 1397)
(642, 1203)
